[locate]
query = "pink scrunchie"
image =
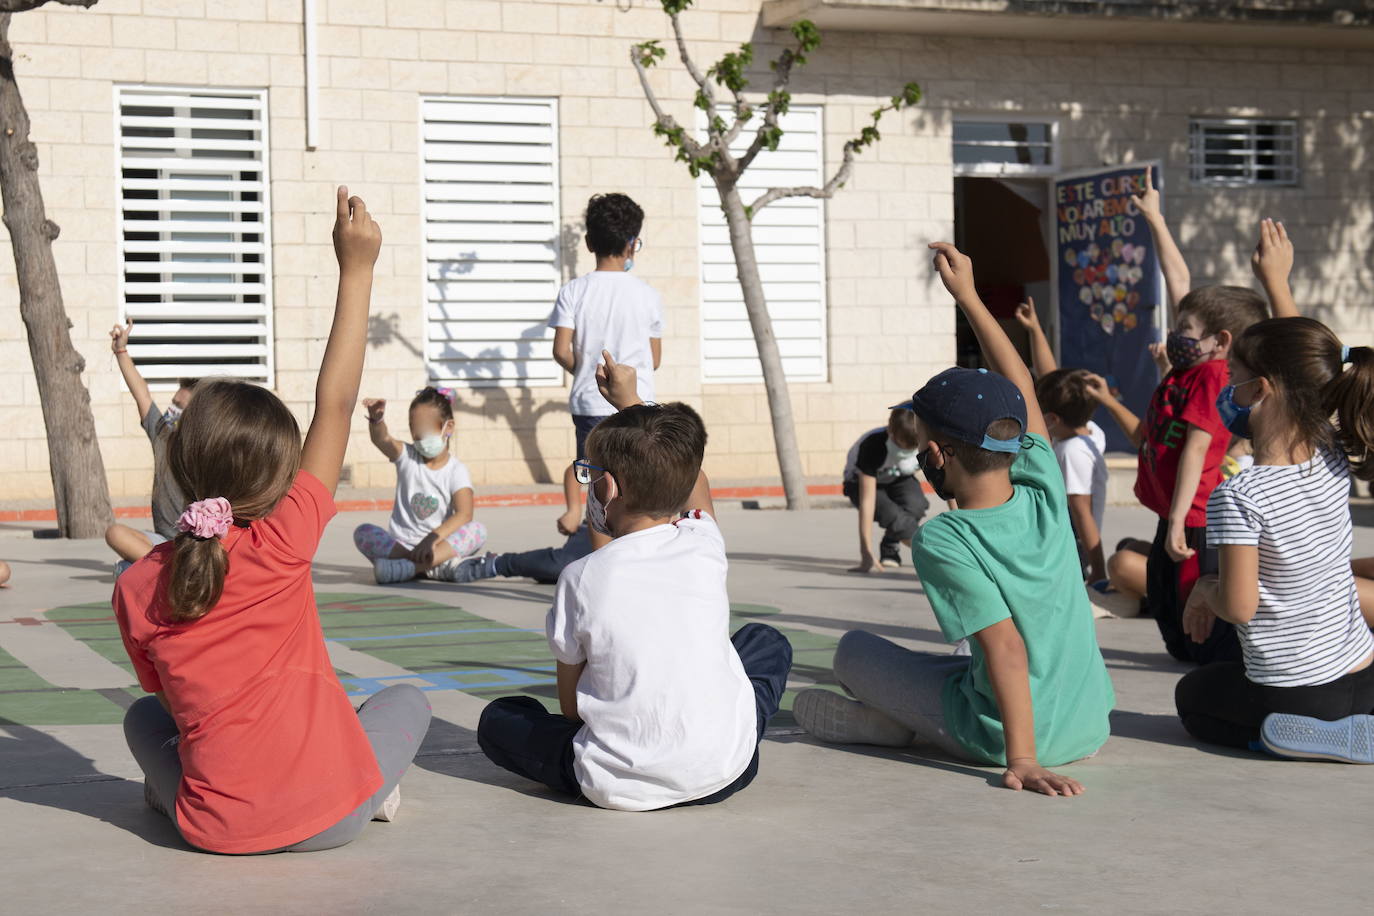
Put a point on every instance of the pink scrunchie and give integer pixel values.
(207, 518)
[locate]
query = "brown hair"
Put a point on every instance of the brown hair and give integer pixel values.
(433, 397)
(235, 441)
(1225, 308)
(978, 460)
(901, 426)
(654, 452)
(1301, 358)
(1064, 392)
(188, 383)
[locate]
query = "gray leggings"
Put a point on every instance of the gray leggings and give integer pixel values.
(395, 720)
(906, 686)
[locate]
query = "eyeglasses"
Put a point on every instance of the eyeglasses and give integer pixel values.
(582, 470)
(638, 246)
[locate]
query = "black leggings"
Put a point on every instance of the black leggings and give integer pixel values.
(1220, 705)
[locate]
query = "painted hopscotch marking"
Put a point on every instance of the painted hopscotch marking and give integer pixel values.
(58, 657)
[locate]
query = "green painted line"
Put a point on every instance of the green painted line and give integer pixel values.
(419, 635)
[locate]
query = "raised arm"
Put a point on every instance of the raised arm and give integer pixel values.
(119, 343)
(1042, 356)
(357, 240)
(1272, 262)
(956, 270)
(1177, 280)
(1129, 422)
(381, 437)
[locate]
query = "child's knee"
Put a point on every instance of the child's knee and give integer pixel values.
(854, 646)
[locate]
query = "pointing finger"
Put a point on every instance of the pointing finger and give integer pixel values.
(341, 202)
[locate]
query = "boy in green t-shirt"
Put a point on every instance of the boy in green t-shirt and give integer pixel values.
(1001, 570)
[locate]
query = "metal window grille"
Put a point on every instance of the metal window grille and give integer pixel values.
(1243, 151)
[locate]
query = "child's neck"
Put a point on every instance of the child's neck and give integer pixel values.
(437, 461)
(1074, 433)
(1281, 448)
(614, 264)
(632, 523)
(984, 491)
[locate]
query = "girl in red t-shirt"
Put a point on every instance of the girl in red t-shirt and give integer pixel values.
(250, 744)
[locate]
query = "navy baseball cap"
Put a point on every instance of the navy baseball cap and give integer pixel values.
(963, 403)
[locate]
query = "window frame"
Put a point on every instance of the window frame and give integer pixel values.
(263, 167)
(1006, 169)
(1198, 127)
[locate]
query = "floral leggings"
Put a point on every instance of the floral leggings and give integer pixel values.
(376, 543)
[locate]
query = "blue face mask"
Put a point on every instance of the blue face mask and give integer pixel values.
(1234, 417)
(171, 415)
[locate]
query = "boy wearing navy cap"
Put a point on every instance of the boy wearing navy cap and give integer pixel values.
(1001, 570)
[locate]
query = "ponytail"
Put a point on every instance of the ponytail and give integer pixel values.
(1349, 397)
(196, 577)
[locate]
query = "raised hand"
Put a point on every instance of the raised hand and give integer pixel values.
(1148, 198)
(1026, 314)
(617, 382)
(1097, 388)
(955, 269)
(1272, 261)
(376, 408)
(119, 337)
(357, 236)
(1160, 354)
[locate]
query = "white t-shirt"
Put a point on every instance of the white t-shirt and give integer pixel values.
(608, 310)
(1308, 628)
(1084, 468)
(668, 712)
(424, 495)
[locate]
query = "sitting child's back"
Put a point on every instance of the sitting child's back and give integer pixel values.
(669, 713)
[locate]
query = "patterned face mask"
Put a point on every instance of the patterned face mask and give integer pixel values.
(1184, 352)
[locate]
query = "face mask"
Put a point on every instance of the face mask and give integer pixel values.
(430, 446)
(596, 510)
(1184, 352)
(904, 460)
(1235, 418)
(171, 415)
(934, 476)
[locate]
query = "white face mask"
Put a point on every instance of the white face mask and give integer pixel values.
(905, 460)
(596, 509)
(171, 415)
(431, 446)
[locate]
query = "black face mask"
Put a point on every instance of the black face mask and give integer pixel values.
(934, 476)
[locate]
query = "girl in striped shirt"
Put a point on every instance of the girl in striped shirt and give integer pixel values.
(1283, 530)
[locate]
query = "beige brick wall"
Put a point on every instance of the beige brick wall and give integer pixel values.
(890, 325)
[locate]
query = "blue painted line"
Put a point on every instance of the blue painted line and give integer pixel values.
(432, 633)
(457, 679)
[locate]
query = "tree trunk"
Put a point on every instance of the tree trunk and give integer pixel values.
(774, 381)
(78, 472)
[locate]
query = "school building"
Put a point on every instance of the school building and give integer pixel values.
(189, 150)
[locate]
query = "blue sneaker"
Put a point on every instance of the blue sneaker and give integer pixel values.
(1348, 740)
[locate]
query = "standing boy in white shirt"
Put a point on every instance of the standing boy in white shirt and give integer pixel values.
(607, 309)
(659, 706)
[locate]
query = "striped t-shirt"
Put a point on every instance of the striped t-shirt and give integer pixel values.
(1308, 628)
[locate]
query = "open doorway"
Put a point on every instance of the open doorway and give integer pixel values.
(1000, 223)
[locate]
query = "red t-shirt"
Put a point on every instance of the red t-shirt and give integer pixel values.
(271, 749)
(1185, 398)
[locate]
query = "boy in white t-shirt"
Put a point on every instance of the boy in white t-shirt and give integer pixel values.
(1079, 444)
(660, 707)
(607, 309)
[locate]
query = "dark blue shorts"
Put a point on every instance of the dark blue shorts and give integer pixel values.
(584, 424)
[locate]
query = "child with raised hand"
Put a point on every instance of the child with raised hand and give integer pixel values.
(1283, 529)
(250, 744)
(1001, 570)
(1177, 281)
(126, 541)
(660, 706)
(1079, 443)
(880, 481)
(606, 309)
(431, 528)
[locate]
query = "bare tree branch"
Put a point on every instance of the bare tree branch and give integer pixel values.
(23, 6)
(836, 182)
(782, 74)
(687, 61)
(667, 123)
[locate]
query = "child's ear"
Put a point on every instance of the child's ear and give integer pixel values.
(587, 240)
(1224, 341)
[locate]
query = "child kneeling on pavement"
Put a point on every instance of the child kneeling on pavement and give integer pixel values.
(659, 706)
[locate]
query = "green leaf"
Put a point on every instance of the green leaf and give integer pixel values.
(808, 37)
(675, 7)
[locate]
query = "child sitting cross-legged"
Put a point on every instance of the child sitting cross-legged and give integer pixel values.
(1283, 532)
(1001, 570)
(432, 528)
(660, 706)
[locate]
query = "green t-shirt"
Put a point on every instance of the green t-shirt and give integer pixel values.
(1019, 560)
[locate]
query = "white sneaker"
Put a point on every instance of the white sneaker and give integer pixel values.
(387, 812)
(390, 571)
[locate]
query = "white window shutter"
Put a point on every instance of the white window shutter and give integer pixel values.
(195, 243)
(491, 239)
(789, 241)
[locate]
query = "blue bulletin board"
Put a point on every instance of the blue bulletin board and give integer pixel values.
(1109, 288)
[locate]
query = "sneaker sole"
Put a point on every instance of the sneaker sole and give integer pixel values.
(818, 712)
(1348, 740)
